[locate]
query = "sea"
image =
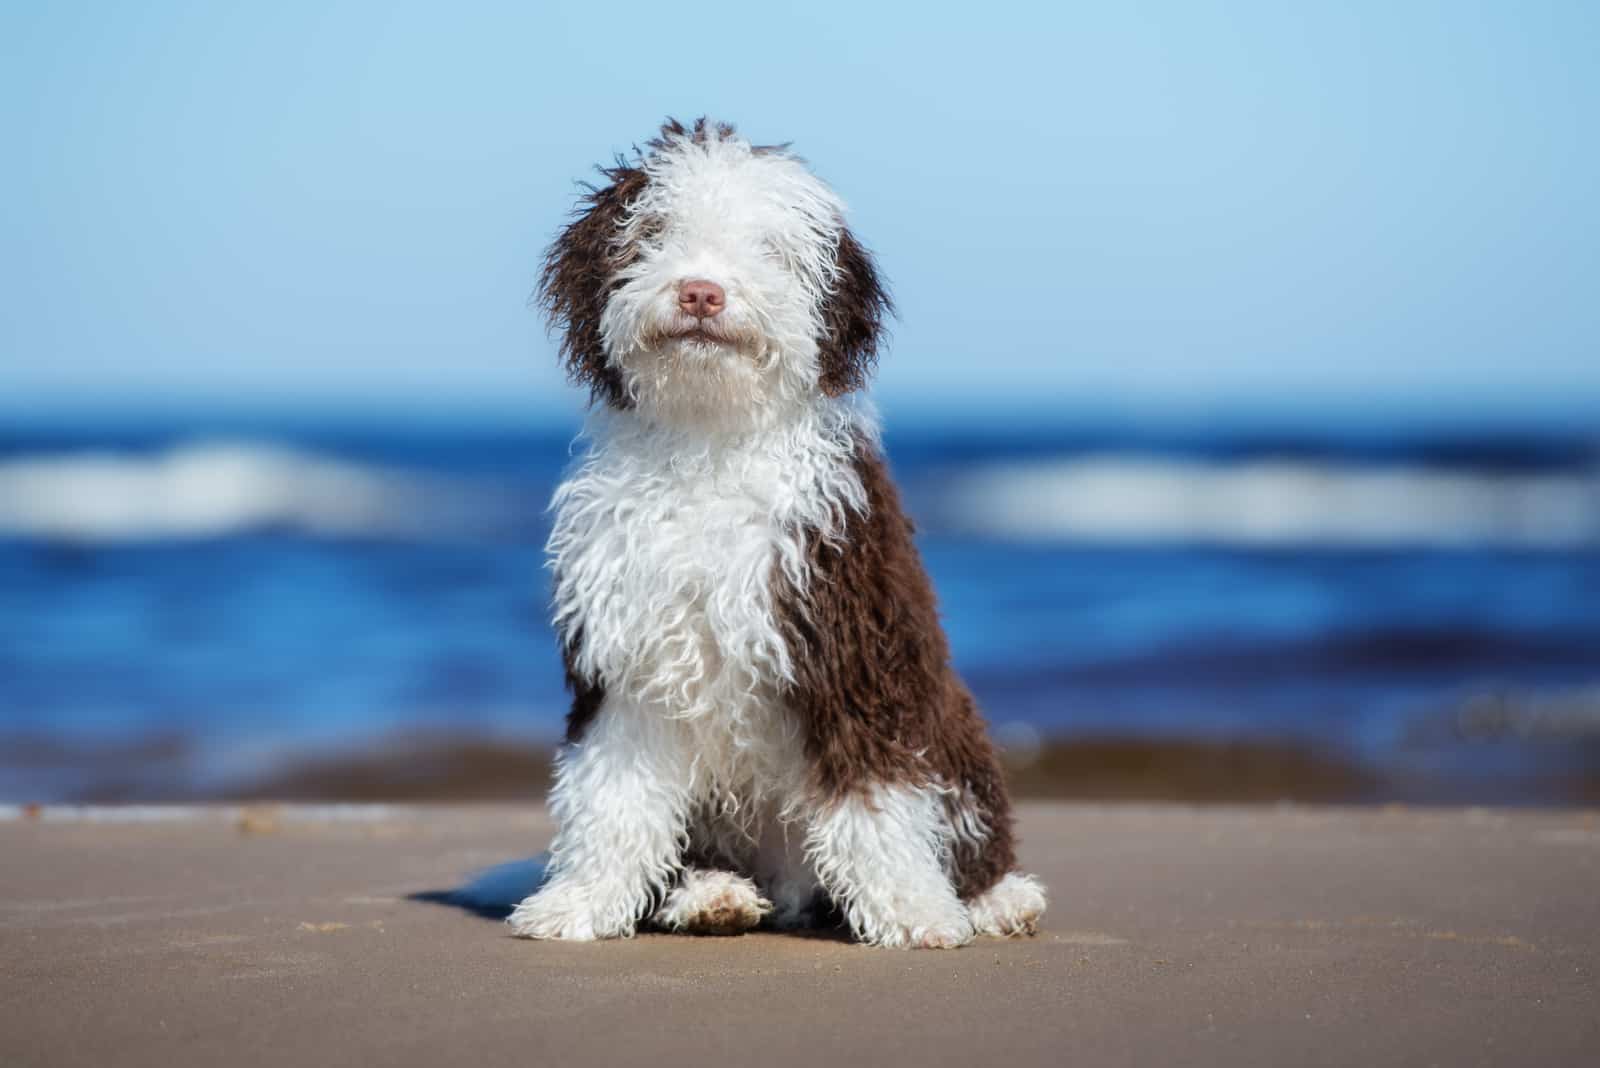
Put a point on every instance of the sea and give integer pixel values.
(255, 591)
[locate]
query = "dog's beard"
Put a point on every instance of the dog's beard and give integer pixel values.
(703, 375)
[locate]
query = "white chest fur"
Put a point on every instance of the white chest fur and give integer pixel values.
(664, 548)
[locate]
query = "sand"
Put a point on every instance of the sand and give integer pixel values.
(1228, 936)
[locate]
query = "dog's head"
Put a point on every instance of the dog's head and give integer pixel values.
(711, 282)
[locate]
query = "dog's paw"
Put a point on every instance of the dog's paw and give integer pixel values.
(904, 929)
(713, 903)
(940, 934)
(571, 913)
(1009, 908)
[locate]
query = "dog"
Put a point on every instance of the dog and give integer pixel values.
(765, 726)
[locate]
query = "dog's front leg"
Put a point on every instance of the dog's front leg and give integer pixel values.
(620, 802)
(883, 853)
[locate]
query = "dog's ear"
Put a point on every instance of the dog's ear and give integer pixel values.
(579, 274)
(852, 319)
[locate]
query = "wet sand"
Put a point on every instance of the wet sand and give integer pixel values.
(460, 766)
(1264, 935)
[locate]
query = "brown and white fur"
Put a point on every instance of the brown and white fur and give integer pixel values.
(765, 723)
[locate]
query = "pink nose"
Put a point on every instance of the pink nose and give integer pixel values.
(701, 299)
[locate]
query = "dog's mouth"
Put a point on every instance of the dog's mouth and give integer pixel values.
(700, 332)
(702, 336)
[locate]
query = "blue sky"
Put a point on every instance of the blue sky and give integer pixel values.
(1186, 205)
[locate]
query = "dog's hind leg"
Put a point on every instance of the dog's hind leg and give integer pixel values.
(710, 902)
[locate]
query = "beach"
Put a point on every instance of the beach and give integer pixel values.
(1237, 935)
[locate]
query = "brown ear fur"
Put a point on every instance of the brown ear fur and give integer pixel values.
(577, 279)
(852, 320)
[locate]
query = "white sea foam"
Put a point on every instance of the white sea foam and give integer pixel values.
(220, 488)
(1112, 499)
(198, 813)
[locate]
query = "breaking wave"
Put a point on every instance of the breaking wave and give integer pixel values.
(1121, 499)
(216, 489)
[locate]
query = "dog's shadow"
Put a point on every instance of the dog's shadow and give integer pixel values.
(494, 893)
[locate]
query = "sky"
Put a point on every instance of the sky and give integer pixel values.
(1185, 206)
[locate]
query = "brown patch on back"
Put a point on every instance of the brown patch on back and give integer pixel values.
(874, 689)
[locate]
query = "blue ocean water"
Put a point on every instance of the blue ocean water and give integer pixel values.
(261, 590)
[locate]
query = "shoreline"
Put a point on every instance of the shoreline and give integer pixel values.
(435, 766)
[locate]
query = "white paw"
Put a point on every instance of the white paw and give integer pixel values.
(1010, 907)
(712, 903)
(943, 928)
(573, 914)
